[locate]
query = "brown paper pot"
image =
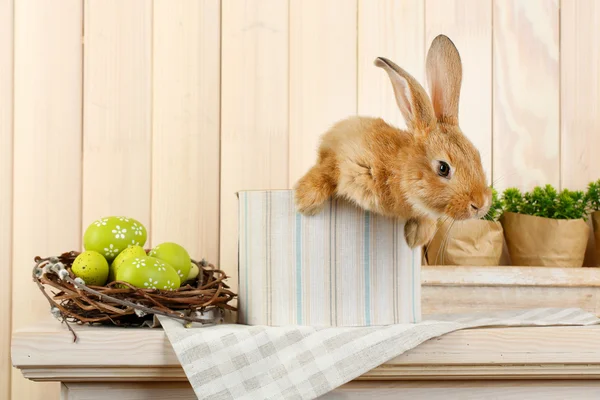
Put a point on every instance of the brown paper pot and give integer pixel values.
(545, 242)
(596, 225)
(471, 242)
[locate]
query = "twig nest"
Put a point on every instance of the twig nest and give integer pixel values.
(56, 312)
(140, 313)
(63, 273)
(201, 300)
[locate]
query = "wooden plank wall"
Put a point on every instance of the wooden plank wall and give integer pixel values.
(163, 109)
(6, 190)
(48, 84)
(525, 88)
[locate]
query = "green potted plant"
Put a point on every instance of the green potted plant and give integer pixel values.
(471, 242)
(593, 197)
(545, 227)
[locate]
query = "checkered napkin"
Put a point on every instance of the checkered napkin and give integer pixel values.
(234, 361)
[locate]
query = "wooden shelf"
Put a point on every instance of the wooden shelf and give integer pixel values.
(510, 276)
(458, 289)
(46, 352)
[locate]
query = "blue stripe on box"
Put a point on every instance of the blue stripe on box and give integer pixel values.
(366, 262)
(298, 269)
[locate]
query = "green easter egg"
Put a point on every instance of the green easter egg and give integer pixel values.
(194, 271)
(111, 235)
(131, 251)
(148, 273)
(92, 267)
(174, 255)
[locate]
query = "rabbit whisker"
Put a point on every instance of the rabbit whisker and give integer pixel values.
(447, 241)
(435, 233)
(444, 239)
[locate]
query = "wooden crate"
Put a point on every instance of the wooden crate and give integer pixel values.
(458, 289)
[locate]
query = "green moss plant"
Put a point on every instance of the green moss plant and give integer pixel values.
(593, 195)
(547, 202)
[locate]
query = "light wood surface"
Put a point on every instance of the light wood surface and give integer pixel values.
(526, 93)
(323, 79)
(451, 289)
(254, 114)
(128, 391)
(580, 99)
(511, 276)
(6, 186)
(580, 92)
(392, 29)
(467, 390)
(45, 351)
(117, 110)
(426, 390)
(185, 126)
(469, 25)
(462, 299)
(47, 153)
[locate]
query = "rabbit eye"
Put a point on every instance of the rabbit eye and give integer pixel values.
(443, 169)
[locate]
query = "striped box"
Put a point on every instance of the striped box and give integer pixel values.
(342, 267)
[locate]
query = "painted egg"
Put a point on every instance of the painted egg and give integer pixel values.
(148, 273)
(131, 251)
(174, 255)
(111, 235)
(194, 271)
(92, 267)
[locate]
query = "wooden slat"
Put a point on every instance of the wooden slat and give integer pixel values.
(454, 289)
(580, 99)
(254, 109)
(130, 391)
(452, 298)
(393, 29)
(525, 93)
(367, 390)
(511, 276)
(523, 345)
(44, 351)
(6, 193)
(492, 388)
(323, 74)
(580, 92)
(186, 115)
(47, 153)
(117, 110)
(468, 23)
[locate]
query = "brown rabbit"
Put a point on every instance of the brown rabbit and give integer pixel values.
(418, 175)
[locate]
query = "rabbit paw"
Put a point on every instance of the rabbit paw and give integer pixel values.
(418, 232)
(309, 201)
(308, 204)
(312, 191)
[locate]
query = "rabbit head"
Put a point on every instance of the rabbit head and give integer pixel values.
(442, 171)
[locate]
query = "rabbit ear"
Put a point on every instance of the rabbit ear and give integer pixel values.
(444, 77)
(412, 99)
